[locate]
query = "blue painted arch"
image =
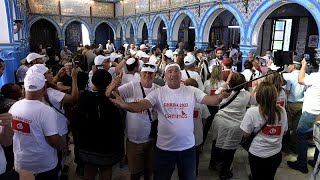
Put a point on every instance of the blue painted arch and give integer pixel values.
(127, 29)
(154, 26)
(65, 25)
(55, 24)
(267, 7)
(139, 26)
(107, 22)
(176, 22)
(212, 13)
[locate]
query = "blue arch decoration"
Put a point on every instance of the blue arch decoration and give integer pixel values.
(264, 10)
(142, 18)
(65, 25)
(107, 22)
(152, 25)
(119, 30)
(54, 23)
(133, 26)
(174, 26)
(205, 23)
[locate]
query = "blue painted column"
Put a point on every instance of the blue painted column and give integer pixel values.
(202, 45)
(172, 45)
(92, 39)
(117, 43)
(61, 42)
(10, 54)
(245, 49)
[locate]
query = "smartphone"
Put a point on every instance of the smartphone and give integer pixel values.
(307, 57)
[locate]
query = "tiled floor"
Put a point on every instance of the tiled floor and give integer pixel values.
(241, 167)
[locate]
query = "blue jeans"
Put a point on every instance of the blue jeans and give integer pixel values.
(304, 132)
(165, 162)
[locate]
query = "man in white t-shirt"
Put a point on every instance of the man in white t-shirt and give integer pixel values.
(310, 110)
(189, 71)
(174, 104)
(154, 58)
(139, 145)
(35, 128)
(132, 74)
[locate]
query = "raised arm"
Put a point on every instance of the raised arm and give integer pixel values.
(214, 100)
(131, 107)
(7, 132)
(302, 72)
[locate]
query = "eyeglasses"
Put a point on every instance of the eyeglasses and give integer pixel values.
(149, 65)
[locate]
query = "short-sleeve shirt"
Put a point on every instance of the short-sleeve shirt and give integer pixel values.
(138, 125)
(175, 114)
(200, 112)
(32, 122)
(268, 141)
(296, 90)
(194, 75)
(311, 102)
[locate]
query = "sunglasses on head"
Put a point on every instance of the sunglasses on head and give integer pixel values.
(149, 65)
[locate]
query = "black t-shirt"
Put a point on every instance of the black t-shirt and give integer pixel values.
(82, 80)
(99, 123)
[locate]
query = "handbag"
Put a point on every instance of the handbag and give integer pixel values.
(154, 123)
(246, 141)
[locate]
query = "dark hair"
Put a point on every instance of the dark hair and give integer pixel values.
(237, 79)
(154, 49)
(132, 66)
(6, 89)
(191, 82)
(101, 79)
(248, 64)
(266, 98)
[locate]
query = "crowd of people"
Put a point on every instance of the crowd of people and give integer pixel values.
(153, 107)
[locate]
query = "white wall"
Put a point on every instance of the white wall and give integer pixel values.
(4, 35)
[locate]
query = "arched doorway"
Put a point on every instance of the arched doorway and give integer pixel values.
(142, 31)
(103, 33)
(162, 35)
(144, 34)
(186, 33)
(76, 33)
(287, 29)
(49, 35)
(225, 29)
(129, 32)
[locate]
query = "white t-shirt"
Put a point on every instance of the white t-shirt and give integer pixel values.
(214, 62)
(138, 125)
(32, 122)
(268, 141)
(3, 161)
(311, 102)
(55, 97)
(175, 114)
(200, 112)
(193, 75)
(126, 78)
(210, 90)
(153, 59)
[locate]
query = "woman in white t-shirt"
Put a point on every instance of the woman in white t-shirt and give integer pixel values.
(265, 151)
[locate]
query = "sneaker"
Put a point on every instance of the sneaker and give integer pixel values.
(294, 165)
(311, 163)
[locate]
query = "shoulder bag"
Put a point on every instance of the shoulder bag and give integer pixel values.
(246, 141)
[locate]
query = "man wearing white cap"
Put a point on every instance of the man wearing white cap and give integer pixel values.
(167, 57)
(36, 135)
(132, 74)
(174, 104)
(143, 49)
(35, 58)
(138, 125)
(189, 71)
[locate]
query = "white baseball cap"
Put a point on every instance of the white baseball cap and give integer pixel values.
(148, 67)
(265, 58)
(189, 59)
(130, 61)
(37, 68)
(114, 56)
(169, 54)
(133, 52)
(175, 53)
(34, 82)
(143, 46)
(33, 56)
(171, 65)
(100, 59)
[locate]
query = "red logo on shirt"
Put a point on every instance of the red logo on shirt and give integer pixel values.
(272, 130)
(250, 84)
(213, 91)
(195, 114)
(280, 103)
(20, 126)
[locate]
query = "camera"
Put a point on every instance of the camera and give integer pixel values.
(307, 57)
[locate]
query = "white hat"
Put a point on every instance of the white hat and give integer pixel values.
(34, 82)
(274, 67)
(144, 55)
(296, 62)
(114, 56)
(265, 58)
(133, 52)
(100, 59)
(169, 54)
(143, 46)
(189, 59)
(130, 61)
(125, 45)
(171, 65)
(175, 53)
(33, 56)
(148, 67)
(37, 68)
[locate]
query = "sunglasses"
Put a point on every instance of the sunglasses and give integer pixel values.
(149, 65)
